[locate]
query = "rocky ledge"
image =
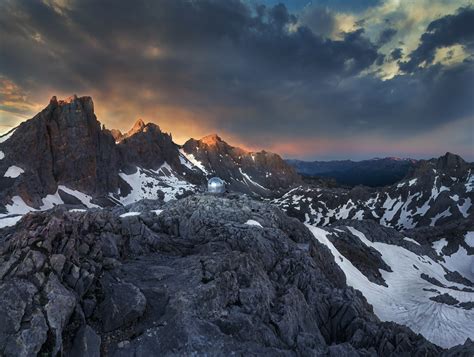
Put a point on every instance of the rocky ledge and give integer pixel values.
(202, 275)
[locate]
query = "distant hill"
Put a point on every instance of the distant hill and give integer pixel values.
(373, 173)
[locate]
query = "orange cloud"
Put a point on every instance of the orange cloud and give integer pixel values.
(15, 105)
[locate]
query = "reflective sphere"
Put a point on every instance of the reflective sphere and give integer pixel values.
(215, 185)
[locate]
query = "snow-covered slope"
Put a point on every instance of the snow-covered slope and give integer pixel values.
(18, 207)
(431, 196)
(163, 183)
(417, 290)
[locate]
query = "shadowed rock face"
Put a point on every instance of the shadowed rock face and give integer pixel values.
(145, 145)
(63, 144)
(262, 173)
(452, 163)
(194, 278)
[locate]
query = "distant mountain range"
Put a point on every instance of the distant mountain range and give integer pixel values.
(434, 192)
(374, 172)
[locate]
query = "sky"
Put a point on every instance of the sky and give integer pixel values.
(314, 80)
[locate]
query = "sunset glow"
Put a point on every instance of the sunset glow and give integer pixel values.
(314, 80)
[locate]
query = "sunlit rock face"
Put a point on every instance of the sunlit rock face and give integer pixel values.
(257, 173)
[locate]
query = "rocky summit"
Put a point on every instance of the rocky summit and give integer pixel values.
(203, 275)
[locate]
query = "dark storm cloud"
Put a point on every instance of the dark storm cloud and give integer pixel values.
(241, 67)
(205, 45)
(319, 19)
(386, 35)
(446, 31)
(347, 6)
(396, 53)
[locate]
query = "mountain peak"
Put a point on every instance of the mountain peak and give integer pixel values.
(139, 124)
(211, 139)
(70, 99)
(450, 161)
(85, 101)
(137, 127)
(117, 134)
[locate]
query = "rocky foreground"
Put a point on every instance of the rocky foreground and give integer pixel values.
(202, 275)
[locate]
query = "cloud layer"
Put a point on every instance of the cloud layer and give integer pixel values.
(298, 80)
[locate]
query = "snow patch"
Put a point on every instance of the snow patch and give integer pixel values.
(439, 245)
(130, 214)
(18, 206)
(13, 172)
(469, 239)
(411, 240)
(445, 213)
(86, 200)
(50, 201)
(191, 161)
(7, 136)
(252, 222)
(391, 205)
(455, 198)
(247, 177)
(465, 207)
(9, 221)
(461, 262)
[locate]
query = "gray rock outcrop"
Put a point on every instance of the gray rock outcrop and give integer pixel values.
(196, 278)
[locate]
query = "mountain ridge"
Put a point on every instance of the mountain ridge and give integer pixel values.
(73, 159)
(69, 147)
(373, 172)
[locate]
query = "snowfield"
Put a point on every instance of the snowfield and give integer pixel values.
(144, 183)
(401, 206)
(406, 300)
(18, 207)
(150, 184)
